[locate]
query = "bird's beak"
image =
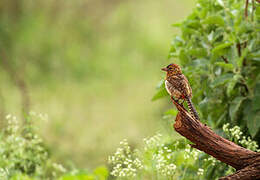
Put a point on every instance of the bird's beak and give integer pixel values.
(164, 69)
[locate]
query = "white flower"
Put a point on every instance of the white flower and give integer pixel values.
(8, 116)
(235, 133)
(124, 162)
(200, 172)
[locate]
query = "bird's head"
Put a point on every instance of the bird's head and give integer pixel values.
(172, 69)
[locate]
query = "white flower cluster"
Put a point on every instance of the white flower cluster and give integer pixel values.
(124, 161)
(249, 144)
(4, 173)
(212, 160)
(12, 126)
(22, 150)
(200, 172)
(162, 155)
(163, 163)
(152, 142)
(41, 116)
(191, 153)
(235, 134)
(59, 167)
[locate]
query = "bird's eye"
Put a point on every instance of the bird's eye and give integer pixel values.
(170, 67)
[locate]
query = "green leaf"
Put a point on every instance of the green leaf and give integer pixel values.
(230, 87)
(214, 20)
(227, 66)
(245, 28)
(256, 98)
(251, 117)
(220, 80)
(160, 94)
(231, 84)
(184, 57)
(254, 56)
(195, 24)
(234, 107)
(221, 119)
(257, 11)
(198, 52)
(172, 112)
(253, 122)
(218, 48)
(161, 84)
(242, 57)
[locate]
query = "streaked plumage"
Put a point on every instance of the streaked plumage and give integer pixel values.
(178, 86)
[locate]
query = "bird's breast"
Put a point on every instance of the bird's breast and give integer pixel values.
(172, 90)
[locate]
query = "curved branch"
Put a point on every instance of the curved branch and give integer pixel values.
(245, 161)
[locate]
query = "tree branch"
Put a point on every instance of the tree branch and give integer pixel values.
(246, 162)
(246, 9)
(224, 59)
(18, 81)
(239, 49)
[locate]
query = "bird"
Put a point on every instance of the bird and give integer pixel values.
(177, 85)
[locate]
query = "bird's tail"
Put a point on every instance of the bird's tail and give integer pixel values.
(192, 108)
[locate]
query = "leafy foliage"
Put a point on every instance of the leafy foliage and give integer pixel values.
(23, 153)
(219, 51)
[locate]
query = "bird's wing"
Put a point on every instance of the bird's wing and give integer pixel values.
(187, 84)
(181, 83)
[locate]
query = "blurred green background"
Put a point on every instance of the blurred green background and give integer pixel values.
(91, 65)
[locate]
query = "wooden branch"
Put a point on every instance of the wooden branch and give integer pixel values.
(246, 162)
(239, 49)
(224, 59)
(249, 172)
(246, 9)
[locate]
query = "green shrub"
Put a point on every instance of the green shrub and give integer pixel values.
(218, 49)
(23, 154)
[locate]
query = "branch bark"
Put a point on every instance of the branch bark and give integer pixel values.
(246, 162)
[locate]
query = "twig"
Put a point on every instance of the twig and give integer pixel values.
(246, 9)
(239, 49)
(225, 59)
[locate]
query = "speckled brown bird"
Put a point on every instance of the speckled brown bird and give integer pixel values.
(178, 86)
